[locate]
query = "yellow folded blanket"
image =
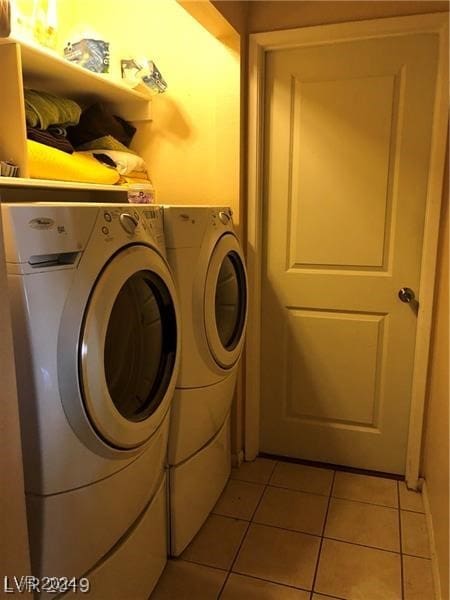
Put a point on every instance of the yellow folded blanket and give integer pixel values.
(49, 163)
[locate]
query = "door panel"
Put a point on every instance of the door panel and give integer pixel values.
(337, 125)
(348, 133)
(338, 383)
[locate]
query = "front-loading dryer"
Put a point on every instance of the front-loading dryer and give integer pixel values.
(97, 337)
(209, 270)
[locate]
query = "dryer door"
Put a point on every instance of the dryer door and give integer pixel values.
(225, 310)
(128, 347)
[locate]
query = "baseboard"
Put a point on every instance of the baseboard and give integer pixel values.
(237, 459)
(430, 528)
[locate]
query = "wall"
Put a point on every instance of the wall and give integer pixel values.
(14, 558)
(435, 467)
(270, 15)
(192, 144)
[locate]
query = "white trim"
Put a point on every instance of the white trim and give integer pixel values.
(237, 459)
(259, 44)
(225, 358)
(118, 430)
(433, 554)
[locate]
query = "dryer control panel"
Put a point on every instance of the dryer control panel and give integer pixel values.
(186, 226)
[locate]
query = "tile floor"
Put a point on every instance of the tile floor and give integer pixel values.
(284, 531)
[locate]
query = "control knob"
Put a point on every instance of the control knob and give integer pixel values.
(128, 222)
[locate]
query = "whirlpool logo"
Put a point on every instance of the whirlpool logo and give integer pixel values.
(41, 223)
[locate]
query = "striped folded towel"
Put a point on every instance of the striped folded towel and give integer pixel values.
(43, 109)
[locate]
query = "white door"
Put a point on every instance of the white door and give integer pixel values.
(348, 133)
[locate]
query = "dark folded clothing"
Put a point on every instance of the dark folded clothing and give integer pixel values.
(50, 139)
(58, 131)
(97, 122)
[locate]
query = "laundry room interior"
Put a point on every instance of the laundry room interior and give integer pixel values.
(224, 299)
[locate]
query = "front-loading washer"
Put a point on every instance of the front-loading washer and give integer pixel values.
(208, 266)
(96, 338)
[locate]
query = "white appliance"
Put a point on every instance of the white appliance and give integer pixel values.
(96, 336)
(208, 266)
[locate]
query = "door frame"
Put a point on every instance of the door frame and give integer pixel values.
(259, 44)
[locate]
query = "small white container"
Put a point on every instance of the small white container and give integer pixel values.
(141, 193)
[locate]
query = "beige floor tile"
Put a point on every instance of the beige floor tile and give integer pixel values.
(361, 523)
(239, 587)
(365, 488)
(414, 534)
(302, 478)
(410, 500)
(358, 573)
(292, 510)
(185, 581)
(257, 471)
(239, 499)
(217, 542)
(279, 556)
(417, 578)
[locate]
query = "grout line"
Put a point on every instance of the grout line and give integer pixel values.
(230, 570)
(233, 561)
(366, 502)
(291, 489)
(416, 512)
(333, 483)
(416, 556)
(326, 537)
(313, 583)
(272, 472)
(402, 577)
(259, 502)
(328, 596)
(287, 585)
(199, 564)
(315, 535)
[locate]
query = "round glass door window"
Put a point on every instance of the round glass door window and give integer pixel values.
(230, 301)
(140, 346)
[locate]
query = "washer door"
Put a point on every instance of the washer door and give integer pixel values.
(225, 310)
(128, 347)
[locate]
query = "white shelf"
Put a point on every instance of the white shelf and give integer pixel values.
(25, 64)
(23, 182)
(44, 69)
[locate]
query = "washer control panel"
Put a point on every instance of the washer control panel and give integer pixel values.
(133, 221)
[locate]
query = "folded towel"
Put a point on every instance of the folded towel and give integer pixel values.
(107, 142)
(49, 163)
(43, 109)
(138, 175)
(49, 139)
(97, 122)
(124, 161)
(126, 179)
